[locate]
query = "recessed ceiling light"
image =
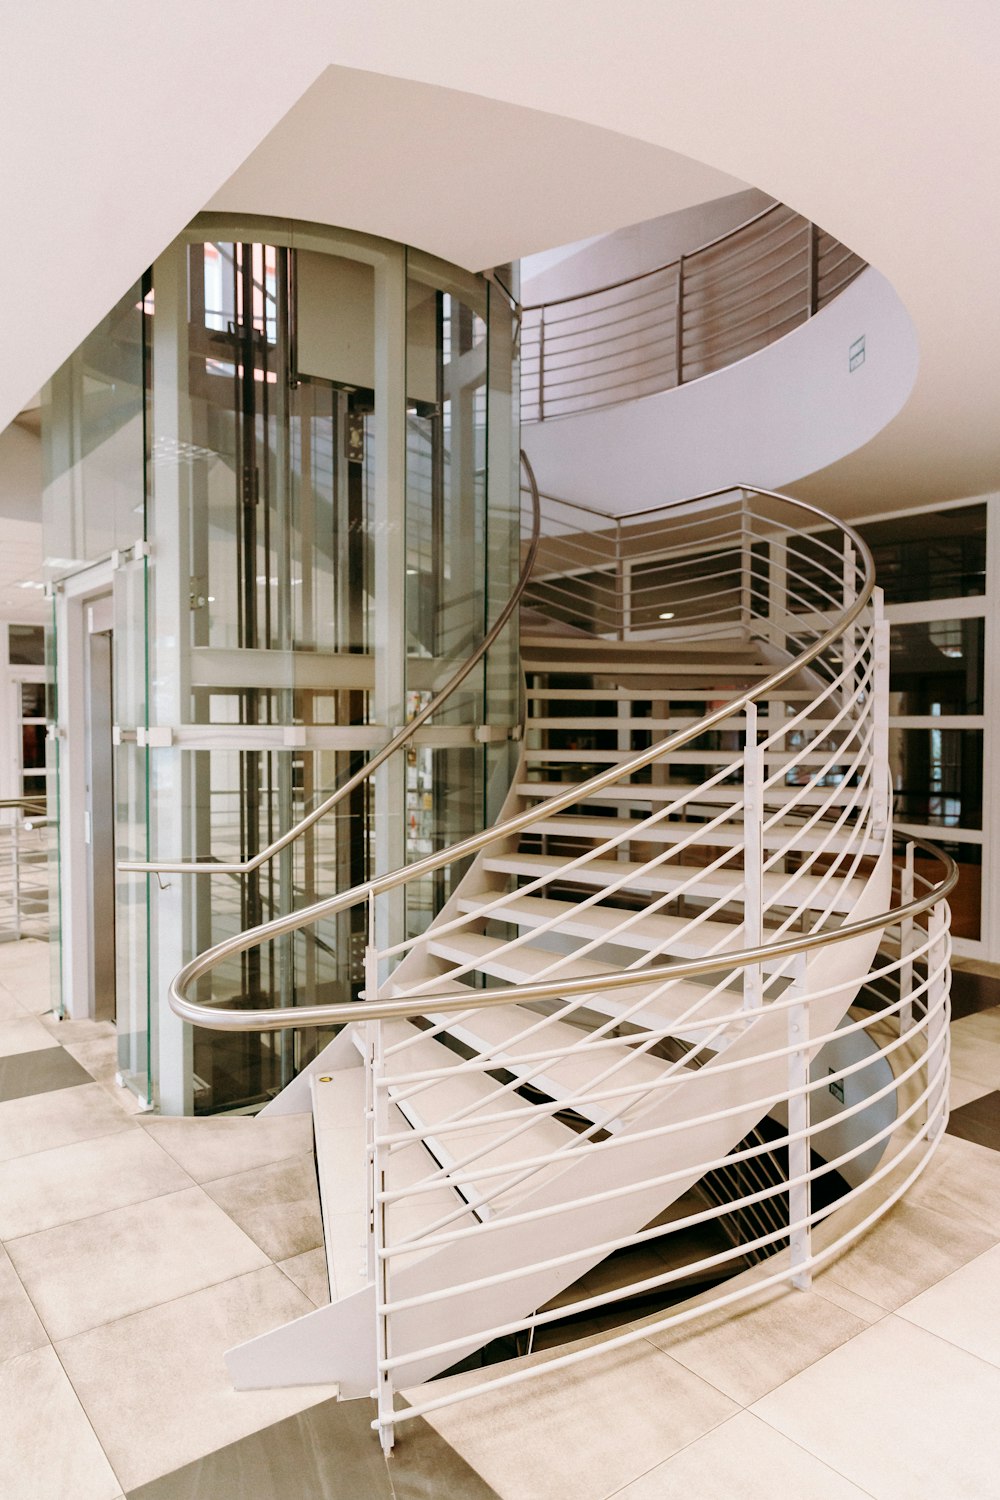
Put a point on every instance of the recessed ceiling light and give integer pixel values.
(668, 614)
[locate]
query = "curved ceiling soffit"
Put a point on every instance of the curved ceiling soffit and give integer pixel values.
(796, 407)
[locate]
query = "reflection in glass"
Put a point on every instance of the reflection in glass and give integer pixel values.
(936, 667)
(936, 555)
(937, 777)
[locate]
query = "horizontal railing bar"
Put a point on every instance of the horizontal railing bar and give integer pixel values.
(689, 1313)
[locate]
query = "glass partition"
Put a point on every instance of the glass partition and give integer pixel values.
(329, 523)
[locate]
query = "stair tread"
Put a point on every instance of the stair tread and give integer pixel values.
(600, 871)
(527, 963)
(668, 791)
(670, 936)
(499, 1032)
(560, 825)
(439, 1101)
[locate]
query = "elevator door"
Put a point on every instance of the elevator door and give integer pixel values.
(100, 812)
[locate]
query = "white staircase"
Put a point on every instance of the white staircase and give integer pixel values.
(642, 960)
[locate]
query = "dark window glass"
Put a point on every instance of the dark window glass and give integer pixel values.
(936, 667)
(937, 777)
(27, 645)
(32, 700)
(32, 746)
(937, 555)
(965, 900)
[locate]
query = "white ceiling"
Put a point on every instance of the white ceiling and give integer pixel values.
(879, 121)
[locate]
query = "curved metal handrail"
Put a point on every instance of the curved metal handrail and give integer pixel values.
(400, 738)
(690, 332)
(612, 286)
(303, 1016)
(214, 1019)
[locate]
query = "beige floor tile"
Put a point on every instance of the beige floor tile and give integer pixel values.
(155, 1385)
(20, 1327)
(40, 1122)
(308, 1271)
(743, 1459)
(10, 1007)
(586, 1430)
(975, 1050)
(23, 1034)
(964, 1090)
(905, 1253)
(98, 1269)
(964, 1308)
(66, 1031)
(48, 1450)
(276, 1205)
(99, 1055)
(902, 1414)
(747, 1349)
(90, 1177)
(212, 1148)
(962, 1182)
(842, 1296)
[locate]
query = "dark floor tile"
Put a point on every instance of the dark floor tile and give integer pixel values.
(422, 1466)
(39, 1073)
(328, 1452)
(978, 1121)
(972, 992)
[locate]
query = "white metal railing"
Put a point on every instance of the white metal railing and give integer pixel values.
(671, 937)
(24, 853)
(681, 320)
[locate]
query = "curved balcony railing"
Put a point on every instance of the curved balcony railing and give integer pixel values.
(673, 324)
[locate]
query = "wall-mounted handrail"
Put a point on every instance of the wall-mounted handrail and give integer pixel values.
(397, 741)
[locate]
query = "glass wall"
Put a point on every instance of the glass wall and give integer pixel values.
(933, 569)
(322, 441)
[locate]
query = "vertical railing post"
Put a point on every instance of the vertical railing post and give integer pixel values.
(906, 945)
(623, 608)
(812, 272)
(937, 1016)
(881, 779)
(679, 323)
(753, 859)
(15, 872)
(850, 637)
(541, 365)
(746, 566)
(377, 1127)
(800, 1141)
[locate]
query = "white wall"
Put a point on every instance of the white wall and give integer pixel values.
(767, 420)
(20, 475)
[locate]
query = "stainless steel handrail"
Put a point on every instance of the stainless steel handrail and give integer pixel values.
(296, 1017)
(400, 738)
(667, 265)
(696, 286)
(215, 1019)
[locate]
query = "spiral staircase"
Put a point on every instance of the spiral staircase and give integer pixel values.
(687, 922)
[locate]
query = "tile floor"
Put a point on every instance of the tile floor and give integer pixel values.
(134, 1251)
